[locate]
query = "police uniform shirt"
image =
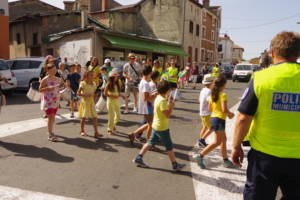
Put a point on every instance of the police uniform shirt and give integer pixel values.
(249, 101)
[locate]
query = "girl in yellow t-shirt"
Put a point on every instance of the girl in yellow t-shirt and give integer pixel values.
(218, 107)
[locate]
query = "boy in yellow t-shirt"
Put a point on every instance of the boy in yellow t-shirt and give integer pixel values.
(160, 130)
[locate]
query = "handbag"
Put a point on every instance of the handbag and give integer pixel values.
(101, 104)
(3, 99)
(136, 83)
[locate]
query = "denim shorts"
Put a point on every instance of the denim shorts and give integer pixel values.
(72, 95)
(217, 124)
(164, 137)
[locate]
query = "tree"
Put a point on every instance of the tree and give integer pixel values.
(266, 61)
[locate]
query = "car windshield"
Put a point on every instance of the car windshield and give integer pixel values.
(243, 67)
(3, 65)
(226, 67)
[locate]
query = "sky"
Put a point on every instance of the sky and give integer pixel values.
(268, 17)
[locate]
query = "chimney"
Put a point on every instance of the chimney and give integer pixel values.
(206, 3)
(104, 5)
(84, 18)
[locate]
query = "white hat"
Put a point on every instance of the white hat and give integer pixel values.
(107, 61)
(207, 79)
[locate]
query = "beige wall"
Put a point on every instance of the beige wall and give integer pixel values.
(237, 54)
(163, 20)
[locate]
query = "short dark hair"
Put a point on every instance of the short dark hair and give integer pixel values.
(154, 75)
(146, 70)
(163, 87)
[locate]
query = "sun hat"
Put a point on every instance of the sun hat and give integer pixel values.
(113, 73)
(49, 57)
(207, 79)
(107, 61)
(131, 55)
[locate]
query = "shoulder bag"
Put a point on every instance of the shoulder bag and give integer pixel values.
(136, 83)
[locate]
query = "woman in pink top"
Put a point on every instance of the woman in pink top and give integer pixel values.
(187, 76)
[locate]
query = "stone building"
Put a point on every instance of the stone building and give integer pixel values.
(27, 32)
(91, 5)
(172, 20)
(237, 54)
(23, 7)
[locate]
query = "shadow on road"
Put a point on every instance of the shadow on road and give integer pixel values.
(36, 152)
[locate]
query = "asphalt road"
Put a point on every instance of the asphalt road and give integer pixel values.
(89, 168)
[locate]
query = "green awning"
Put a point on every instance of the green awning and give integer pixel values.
(141, 45)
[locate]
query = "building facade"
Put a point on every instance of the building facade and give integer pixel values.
(20, 8)
(4, 33)
(237, 54)
(225, 55)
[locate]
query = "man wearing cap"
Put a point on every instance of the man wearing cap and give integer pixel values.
(131, 72)
(269, 113)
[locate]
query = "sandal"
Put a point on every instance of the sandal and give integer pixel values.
(52, 137)
(83, 134)
(97, 135)
(131, 138)
(154, 149)
(45, 116)
(111, 133)
(140, 139)
(114, 128)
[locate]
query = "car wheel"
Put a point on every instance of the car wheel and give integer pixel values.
(32, 81)
(8, 92)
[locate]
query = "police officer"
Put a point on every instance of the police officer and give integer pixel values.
(269, 112)
(215, 72)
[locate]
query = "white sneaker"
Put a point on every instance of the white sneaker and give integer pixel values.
(135, 110)
(125, 112)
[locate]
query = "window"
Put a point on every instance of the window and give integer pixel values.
(35, 38)
(18, 38)
(208, 56)
(197, 30)
(220, 56)
(196, 55)
(141, 55)
(212, 35)
(3, 65)
(204, 32)
(212, 56)
(191, 27)
(20, 64)
(191, 54)
(191, 8)
(213, 21)
(202, 54)
(197, 11)
(35, 64)
(204, 15)
(220, 47)
(154, 2)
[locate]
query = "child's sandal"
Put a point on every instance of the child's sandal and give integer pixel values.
(83, 134)
(97, 135)
(52, 137)
(111, 133)
(131, 138)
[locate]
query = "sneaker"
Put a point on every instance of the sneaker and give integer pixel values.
(135, 110)
(125, 112)
(178, 167)
(202, 143)
(72, 115)
(228, 164)
(139, 162)
(199, 161)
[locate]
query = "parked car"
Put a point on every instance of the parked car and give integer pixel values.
(119, 66)
(9, 88)
(244, 71)
(27, 70)
(227, 70)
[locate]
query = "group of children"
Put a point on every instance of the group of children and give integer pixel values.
(155, 104)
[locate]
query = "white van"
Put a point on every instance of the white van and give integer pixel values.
(27, 70)
(244, 71)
